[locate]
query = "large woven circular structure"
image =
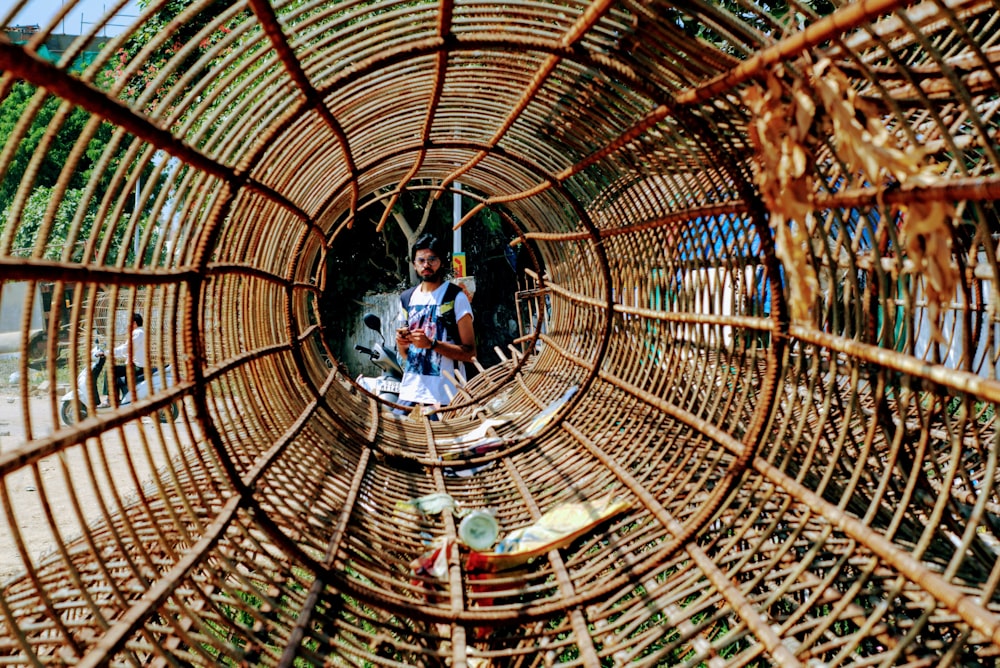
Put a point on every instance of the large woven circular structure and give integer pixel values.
(765, 248)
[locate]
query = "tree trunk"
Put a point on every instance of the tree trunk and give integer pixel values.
(413, 234)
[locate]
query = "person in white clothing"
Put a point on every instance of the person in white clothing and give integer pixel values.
(133, 352)
(438, 335)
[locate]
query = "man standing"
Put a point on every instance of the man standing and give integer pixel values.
(436, 336)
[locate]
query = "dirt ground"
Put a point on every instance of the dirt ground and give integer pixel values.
(103, 469)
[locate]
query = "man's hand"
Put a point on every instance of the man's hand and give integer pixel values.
(402, 339)
(420, 339)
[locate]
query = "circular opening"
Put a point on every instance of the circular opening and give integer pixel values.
(745, 412)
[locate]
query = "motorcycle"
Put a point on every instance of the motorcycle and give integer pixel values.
(86, 398)
(154, 383)
(386, 386)
(84, 395)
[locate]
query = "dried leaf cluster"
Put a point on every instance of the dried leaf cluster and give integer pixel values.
(781, 120)
(789, 115)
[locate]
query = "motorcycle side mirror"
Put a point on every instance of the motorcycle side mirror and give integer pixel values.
(372, 321)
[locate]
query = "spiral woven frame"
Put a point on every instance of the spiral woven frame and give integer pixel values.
(765, 250)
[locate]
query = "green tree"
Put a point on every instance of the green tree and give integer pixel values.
(23, 102)
(31, 222)
(133, 84)
(13, 109)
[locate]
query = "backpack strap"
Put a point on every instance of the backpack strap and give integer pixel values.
(405, 297)
(451, 292)
(449, 320)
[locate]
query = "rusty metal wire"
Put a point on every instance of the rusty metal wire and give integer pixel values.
(804, 431)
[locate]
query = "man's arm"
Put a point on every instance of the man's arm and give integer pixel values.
(464, 351)
(402, 336)
(402, 344)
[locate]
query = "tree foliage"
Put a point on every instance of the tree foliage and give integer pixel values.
(134, 84)
(15, 109)
(48, 145)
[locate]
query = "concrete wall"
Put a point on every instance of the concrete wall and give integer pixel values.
(12, 295)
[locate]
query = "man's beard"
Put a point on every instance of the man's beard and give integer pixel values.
(436, 277)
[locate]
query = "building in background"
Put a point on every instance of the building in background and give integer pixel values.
(56, 45)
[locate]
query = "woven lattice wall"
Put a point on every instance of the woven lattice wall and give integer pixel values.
(765, 242)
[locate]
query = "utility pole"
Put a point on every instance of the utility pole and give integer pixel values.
(457, 256)
(456, 215)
